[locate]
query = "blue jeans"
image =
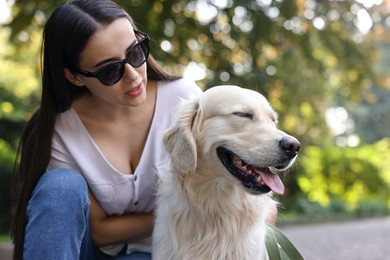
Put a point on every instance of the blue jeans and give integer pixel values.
(58, 220)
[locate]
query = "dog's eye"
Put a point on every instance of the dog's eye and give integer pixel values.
(244, 114)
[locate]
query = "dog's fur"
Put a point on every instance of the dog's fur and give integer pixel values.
(203, 210)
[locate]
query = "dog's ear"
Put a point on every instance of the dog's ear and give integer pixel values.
(179, 139)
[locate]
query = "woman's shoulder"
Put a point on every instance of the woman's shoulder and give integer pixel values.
(67, 124)
(182, 88)
(67, 119)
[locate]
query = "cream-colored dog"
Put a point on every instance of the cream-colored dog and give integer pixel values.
(226, 152)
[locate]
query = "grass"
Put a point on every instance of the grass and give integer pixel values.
(5, 238)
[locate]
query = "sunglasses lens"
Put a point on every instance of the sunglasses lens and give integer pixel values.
(111, 74)
(139, 54)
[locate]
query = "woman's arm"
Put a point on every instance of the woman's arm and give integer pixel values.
(107, 230)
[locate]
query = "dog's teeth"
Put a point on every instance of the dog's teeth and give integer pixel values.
(258, 179)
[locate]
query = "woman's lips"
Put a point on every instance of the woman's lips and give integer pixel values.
(135, 91)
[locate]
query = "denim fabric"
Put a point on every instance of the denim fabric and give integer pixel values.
(58, 220)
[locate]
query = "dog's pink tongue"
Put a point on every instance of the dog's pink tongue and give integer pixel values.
(272, 180)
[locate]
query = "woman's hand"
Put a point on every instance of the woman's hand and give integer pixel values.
(108, 230)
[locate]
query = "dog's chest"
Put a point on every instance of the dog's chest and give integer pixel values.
(222, 236)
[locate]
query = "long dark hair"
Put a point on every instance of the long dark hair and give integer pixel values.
(64, 37)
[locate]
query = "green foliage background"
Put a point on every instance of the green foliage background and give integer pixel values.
(270, 46)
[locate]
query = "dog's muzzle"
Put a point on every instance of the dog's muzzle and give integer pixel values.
(258, 180)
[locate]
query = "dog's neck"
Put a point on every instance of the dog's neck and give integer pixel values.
(216, 194)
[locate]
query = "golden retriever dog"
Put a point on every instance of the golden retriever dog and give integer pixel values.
(226, 153)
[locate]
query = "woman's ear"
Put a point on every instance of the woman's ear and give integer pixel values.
(72, 78)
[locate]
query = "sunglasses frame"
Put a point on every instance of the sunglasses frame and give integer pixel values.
(143, 44)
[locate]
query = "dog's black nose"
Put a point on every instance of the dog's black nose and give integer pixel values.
(290, 145)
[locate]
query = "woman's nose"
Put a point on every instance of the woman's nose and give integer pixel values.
(131, 73)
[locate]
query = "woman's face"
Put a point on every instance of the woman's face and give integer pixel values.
(109, 44)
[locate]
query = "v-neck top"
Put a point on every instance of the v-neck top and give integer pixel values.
(118, 193)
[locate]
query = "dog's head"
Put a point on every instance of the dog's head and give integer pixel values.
(232, 129)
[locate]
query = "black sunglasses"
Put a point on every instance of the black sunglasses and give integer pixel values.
(113, 72)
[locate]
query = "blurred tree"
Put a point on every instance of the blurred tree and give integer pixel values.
(371, 115)
(349, 174)
(19, 84)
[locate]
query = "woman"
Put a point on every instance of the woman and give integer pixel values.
(91, 155)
